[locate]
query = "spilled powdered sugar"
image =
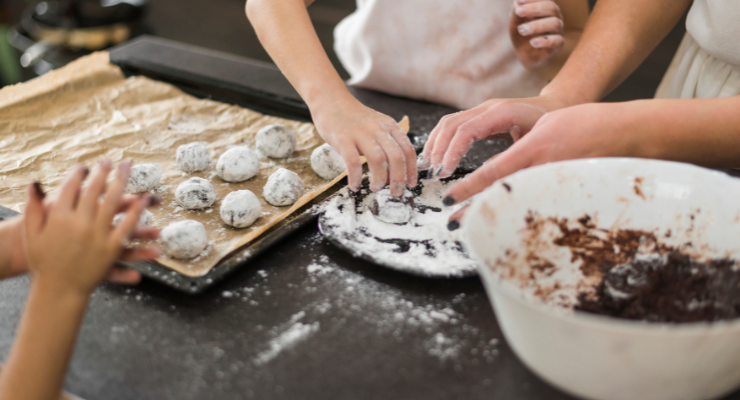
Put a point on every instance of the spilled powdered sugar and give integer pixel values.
(423, 246)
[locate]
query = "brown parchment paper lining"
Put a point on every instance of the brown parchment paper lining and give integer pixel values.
(88, 110)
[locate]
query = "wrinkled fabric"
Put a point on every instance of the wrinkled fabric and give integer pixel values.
(456, 53)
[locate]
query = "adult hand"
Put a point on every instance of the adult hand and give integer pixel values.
(354, 130)
(73, 245)
(536, 30)
(584, 131)
(455, 134)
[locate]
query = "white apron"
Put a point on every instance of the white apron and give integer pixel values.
(451, 52)
(707, 64)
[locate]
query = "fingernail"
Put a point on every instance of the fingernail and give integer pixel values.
(521, 1)
(85, 172)
(453, 225)
(145, 199)
(106, 163)
(430, 173)
(448, 201)
(520, 11)
(124, 169)
(39, 190)
(524, 29)
(155, 200)
(538, 42)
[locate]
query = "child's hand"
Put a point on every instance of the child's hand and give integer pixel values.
(72, 243)
(355, 130)
(536, 29)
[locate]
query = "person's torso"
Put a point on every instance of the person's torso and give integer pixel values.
(451, 52)
(714, 26)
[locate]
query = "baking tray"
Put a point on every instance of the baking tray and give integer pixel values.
(212, 81)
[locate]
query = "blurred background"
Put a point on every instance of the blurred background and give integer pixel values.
(37, 36)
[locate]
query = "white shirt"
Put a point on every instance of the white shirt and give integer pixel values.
(454, 52)
(714, 26)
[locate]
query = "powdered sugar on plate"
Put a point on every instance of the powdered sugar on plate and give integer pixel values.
(423, 246)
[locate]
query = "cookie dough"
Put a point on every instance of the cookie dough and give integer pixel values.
(184, 239)
(238, 164)
(240, 209)
(143, 178)
(195, 194)
(193, 157)
(276, 141)
(283, 188)
(327, 163)
(393, 210)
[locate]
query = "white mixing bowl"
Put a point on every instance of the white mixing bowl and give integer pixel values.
(599, 357)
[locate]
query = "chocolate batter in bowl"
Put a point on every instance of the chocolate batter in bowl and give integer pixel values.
(559, 239)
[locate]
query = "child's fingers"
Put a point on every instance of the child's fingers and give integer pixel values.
(126, 228)
(146, 233)
(91, 194)
(34, 216)
(354, 166)
(127, 200)
(409, 153)
(123, 276)
(397, 164)
(70, 189)
(541, 26)
(113, 195)
(548, 41)
(140, 254)
(439, 139)
(537, 9)
(377, 163)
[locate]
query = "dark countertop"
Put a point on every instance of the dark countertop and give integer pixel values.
(303, 321)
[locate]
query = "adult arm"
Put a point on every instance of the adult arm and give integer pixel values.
(285, 30)
(617, 38)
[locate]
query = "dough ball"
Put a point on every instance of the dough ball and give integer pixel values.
(144, 177)
(193, 157)
(327, 163)
(276, 141)
(240, 209)
(238, 164)
(195, 193)
(283, 188)
(184, 239)
(393, 210)
(146, 219)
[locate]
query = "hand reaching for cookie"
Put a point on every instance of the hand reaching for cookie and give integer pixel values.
(537, 31)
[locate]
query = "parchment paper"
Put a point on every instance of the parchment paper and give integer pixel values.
(88, 110)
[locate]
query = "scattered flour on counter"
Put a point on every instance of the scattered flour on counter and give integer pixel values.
(295, 334)
(318, 269)
(423, 246)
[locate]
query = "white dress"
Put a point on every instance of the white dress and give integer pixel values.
(707, 63)
(451, 52)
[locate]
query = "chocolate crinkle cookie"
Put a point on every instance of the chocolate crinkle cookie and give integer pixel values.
(143, 178)
(184, 240)
(238, 164)
(393, 210)
(193, 157)
(195, 194)
(671, 287)
(276, 141)
(327, 162)
(240, 209)
(283, 188)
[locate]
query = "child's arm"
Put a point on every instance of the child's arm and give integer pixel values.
(70, 247)
(285, 30)
(545, 32)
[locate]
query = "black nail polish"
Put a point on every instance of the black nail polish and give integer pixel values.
(85, 172)
(39, 190)
(430, 173)
(438, 171)
(155, 200)
(453, 225)
(448, 201)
